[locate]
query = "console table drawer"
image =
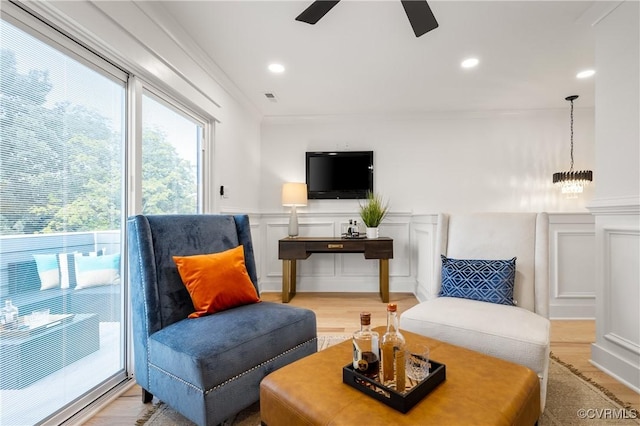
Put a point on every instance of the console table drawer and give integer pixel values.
(346, 246)
(302, 248)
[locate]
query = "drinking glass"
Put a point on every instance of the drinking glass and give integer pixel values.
(39, 317)
(417, 361)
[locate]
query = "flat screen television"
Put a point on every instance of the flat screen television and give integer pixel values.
(339, 174)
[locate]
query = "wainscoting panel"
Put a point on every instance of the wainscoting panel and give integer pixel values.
(622, 300)
(274, 232)
(572, 266)
(398, 229)
(617, 347)
(572, 258)
(423, 232)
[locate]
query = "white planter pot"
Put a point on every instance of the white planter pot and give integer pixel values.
(372, 232)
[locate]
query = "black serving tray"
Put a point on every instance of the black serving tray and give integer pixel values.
(402, 402)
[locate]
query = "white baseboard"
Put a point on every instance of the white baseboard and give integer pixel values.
(572, 312)
(340, 285)
(618, 368)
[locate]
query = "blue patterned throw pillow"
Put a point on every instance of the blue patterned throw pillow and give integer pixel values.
(483, 280)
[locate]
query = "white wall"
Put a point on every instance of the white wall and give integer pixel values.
(484, 161)
(489, 161)
(617, 203)
(617, 87)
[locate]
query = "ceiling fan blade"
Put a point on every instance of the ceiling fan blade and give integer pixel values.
(317, 10)
(420, 16)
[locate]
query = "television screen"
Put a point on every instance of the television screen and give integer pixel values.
(339, 175)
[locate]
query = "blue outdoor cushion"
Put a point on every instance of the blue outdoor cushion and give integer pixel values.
(94, 271)
(47, 265)
(483, 280)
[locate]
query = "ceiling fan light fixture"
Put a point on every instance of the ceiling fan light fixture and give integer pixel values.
(572, 182)
(317, 9)
(418, 12)
(470, 63)
(420, 16)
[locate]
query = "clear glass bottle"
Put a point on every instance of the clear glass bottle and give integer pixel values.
(366, 351)
(350, 229)
(356, 230)
(9, 313)
(393, 352)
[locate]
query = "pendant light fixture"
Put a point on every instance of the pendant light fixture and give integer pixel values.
(572, 182)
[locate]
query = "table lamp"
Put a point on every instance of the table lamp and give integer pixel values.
(294, 194)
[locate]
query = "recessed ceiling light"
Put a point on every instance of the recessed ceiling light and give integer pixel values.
(470, 63)
(276, 68)
(585, 74)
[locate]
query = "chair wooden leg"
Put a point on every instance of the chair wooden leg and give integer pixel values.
(146, 396)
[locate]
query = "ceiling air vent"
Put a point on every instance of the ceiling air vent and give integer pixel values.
(271, 97)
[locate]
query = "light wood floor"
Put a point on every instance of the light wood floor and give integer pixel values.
(339, 313)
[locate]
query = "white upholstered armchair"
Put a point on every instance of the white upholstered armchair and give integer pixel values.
(518, 333)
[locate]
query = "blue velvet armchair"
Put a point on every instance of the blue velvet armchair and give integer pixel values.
(206, 368)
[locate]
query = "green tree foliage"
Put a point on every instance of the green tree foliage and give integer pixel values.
(29, 136)
(61, 166)
(169, 181)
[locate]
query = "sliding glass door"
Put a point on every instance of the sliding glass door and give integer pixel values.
(83, 143)
(62, 138)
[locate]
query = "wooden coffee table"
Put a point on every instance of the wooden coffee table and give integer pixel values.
(479, 389)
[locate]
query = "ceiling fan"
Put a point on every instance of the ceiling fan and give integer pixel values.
(418, 11)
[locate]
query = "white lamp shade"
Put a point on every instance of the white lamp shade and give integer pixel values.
(294, 194)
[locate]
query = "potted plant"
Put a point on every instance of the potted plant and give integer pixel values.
(373, 212)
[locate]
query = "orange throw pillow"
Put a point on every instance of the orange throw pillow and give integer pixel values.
(216, 281)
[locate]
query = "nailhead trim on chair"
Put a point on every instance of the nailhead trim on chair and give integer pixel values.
(173, 376)
(315, 339)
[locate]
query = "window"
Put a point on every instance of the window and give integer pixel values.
(62, 121)
(171, 147)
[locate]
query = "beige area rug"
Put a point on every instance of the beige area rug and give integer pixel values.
(572, 399)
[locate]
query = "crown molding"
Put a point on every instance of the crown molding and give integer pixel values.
(597, 12)
(167, 24)
(615, 206)
(425, 115)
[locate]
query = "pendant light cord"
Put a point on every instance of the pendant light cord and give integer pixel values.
(571, 169)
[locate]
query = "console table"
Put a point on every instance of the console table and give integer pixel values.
(291, 249)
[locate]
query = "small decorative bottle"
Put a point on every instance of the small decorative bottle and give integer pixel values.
(366, 352)
(9, 313)
(350, 228)
(393, 347)
(356, 230)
